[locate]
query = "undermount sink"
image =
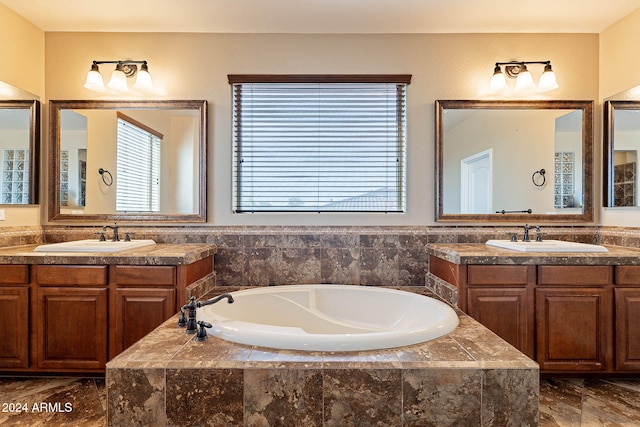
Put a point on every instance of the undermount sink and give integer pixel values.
(92, 245)
(546, 246)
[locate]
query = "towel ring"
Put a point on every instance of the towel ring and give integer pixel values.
(541, 172)
(109, 180)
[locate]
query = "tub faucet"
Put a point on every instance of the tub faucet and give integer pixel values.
(190, 320)
(114, 227)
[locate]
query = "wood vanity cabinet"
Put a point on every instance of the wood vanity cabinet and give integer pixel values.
(574, 317)
(501, 298)
(144, 297)
(75, 318)
(70, 316)
(627, 318)
(569, 318)
(14, 316)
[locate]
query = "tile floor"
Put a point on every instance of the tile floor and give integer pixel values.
(82, 402)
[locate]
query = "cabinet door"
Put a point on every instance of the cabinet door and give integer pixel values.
(139, 311)
(508, 312)
(627, 329)
(14, 327)
(71, 328)
(572, 329)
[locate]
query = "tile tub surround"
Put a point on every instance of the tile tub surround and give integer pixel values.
(468, 377)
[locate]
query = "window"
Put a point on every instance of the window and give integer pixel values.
(319, 143)
(138, 167)
(15, 176)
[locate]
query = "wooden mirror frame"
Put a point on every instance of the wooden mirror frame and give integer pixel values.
(55, 108)
(587, 159)
(608, 143)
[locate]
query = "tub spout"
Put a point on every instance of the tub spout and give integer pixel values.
(216, 299)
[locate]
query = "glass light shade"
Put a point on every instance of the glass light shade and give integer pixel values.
(94, 80)
(143, 79)
(524, 81)
(498, 81)
(548, 80)
(118, 80)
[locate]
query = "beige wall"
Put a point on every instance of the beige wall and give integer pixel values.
(444, 66)
(21, 66)
(620, 79)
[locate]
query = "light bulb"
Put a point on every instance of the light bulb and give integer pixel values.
(498, 81)
(547, 80)
(143, 80)
(94, 80)
(118, 79)
(524, 81)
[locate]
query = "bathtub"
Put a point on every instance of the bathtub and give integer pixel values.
(328, 318)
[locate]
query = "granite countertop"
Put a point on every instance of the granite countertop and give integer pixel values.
(158, 254)
(479, 253)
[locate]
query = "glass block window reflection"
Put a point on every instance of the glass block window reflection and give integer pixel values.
(564, 182)
(15, 176)
(64, 178)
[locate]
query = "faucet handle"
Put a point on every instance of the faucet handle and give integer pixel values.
(202, 332)
(182, 320)
(101, 233)
(538, 234)
(128, 234)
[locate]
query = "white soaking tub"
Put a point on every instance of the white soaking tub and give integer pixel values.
(328, 318)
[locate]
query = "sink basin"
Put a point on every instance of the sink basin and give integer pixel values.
(93, 245)
(546, 246)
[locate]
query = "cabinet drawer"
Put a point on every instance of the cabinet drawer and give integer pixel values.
(138, 275)
(14, 274)
(490, 275)
(66, 275)
(580, 275)
(628, 275)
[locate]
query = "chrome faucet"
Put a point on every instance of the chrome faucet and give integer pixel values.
(527, 227)
(114, 227)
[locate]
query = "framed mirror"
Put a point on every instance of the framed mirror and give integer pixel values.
(515, 161)
(621, 148)
(19, 151)
(128, 161)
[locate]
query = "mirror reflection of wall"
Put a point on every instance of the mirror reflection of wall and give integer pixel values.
(14, 155)
(521, 142)
(89, 141)
(73, 131)
(19, 145)
(567, 177)
(625, 157)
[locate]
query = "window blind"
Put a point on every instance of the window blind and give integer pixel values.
(137, 169)
(319, 146)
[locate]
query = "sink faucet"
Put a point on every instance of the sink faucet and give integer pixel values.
(527, 227)
(192, 305)
(114, 227)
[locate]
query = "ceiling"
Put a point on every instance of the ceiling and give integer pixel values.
(325, 16)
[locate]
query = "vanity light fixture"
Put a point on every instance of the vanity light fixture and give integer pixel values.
(118, 81)
(524, 80)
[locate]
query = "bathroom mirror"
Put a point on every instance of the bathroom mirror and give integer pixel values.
(128, 161)
(19, 151)
(621, 146)
(516, 161)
